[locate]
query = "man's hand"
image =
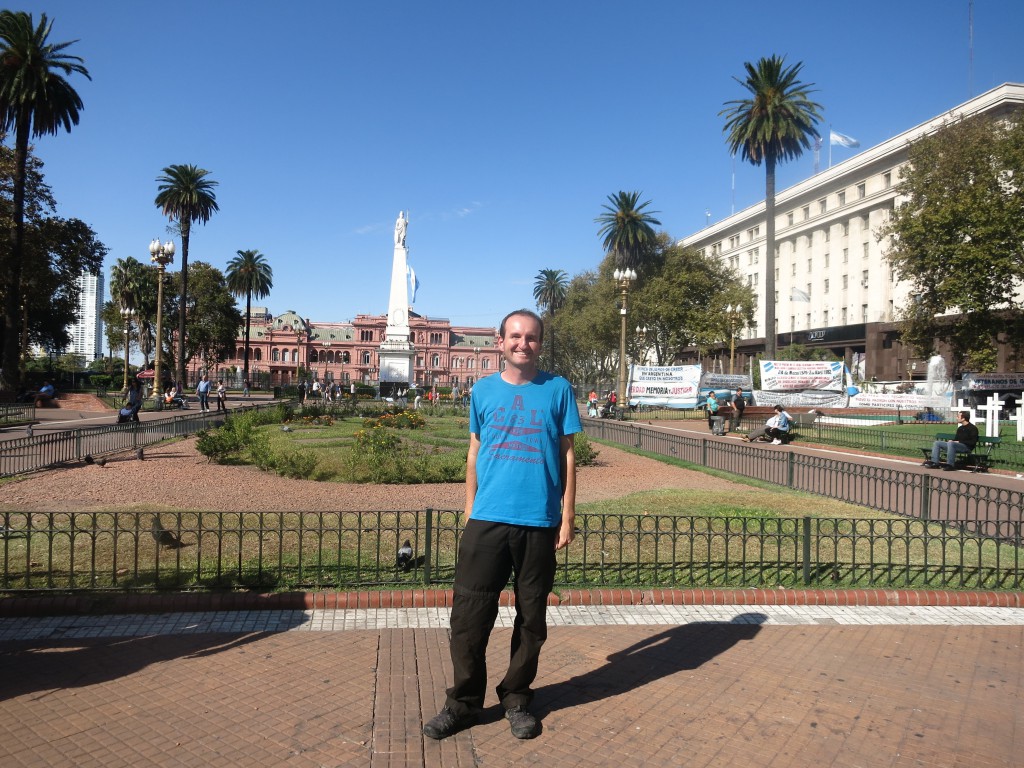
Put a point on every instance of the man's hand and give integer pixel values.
(566, 532)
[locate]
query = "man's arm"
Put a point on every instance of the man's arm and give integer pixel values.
(474, 449)
(566, 530)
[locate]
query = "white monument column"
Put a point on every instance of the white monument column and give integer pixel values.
(396, 351)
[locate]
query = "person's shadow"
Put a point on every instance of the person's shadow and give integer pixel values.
(676, 649)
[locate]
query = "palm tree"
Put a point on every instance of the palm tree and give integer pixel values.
(126, 281)
(249, 275)
(628, 233)
(775, 123)
(549, 289)
(626, 228)
(35, 100)
(185, 196)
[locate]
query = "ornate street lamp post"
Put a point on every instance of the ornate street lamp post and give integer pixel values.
(623, 277)
(161, 255)
(299, 333)
(126, 313)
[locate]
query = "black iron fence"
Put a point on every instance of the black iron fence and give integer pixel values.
(48, 449)
(126, 551)
(17, 413)
(978, 509)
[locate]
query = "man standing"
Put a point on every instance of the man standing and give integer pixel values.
(963, 442)
(520, 509)
(203, 393)
(738, 404)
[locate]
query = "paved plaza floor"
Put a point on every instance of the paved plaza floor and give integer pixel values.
(660, 685)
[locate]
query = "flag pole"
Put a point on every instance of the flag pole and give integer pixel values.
(830, 145)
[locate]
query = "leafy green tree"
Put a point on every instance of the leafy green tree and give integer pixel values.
(958, 239)
(777, 122)
(35, 100)
(185, 195)
(588, 328)
(682, 301)
(549, 289)
(213, 318)
(628, 230)
(249, 275)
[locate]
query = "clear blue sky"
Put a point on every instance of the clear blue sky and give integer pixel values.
(501, 126)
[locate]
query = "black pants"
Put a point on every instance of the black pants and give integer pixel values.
(488, 554)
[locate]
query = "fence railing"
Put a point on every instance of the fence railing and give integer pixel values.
(124, 551)
(30, 454)
(894, 440)
(17, 413)
(980, 510)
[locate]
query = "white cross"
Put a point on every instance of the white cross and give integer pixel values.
(962, 406)
(991, 409)
(1018, 416)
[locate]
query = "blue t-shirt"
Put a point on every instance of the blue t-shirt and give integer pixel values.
(518, 467)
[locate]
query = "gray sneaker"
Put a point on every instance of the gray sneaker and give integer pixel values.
(446, 723)
(524, 725)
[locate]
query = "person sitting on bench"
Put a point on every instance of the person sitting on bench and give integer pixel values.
(780, 431)
(963, 442)
(45, 394)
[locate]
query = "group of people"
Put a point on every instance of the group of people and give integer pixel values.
(713, 407)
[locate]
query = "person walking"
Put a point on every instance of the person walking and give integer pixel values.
(520, 510)
(203, 393)
(222, 396)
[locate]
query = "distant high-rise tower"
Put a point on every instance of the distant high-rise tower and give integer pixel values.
(87, 333)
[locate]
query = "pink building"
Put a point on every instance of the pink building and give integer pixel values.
(282, 347)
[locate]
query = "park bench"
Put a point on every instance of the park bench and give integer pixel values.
(978, 460)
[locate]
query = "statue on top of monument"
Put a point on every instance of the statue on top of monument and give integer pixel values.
(400, 226)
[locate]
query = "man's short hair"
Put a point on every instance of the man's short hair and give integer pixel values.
(524, 313)
(965, 415)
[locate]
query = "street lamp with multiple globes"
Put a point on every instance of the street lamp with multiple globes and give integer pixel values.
(127, 313)
(734, 315)
(161, 255)
(623, 277)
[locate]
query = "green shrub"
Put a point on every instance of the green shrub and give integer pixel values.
(586, 455)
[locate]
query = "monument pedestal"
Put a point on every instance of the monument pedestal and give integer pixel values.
(397, 351)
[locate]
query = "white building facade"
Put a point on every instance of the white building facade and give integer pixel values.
(87, 333)
(834, 286)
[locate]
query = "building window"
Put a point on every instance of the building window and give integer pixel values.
(865, 225)
(366, 358)
(826, 285)
(864, 313)
(776, 274)
(275, 356)
(789, 218)
(846, 229)
(827, 234)
(862, 191)
(486, 363)
(436, 338)
(470, 363)
(841, 197)
(810, 265)
(807, 212)
(808, 290)
(864, 279)
(793, 271)
(808, 321)
(846, 282)
(436, 361)
(826, 261)
(822, 205)
(865, 250)
(846, 255)
(734, 241)
(886, 179)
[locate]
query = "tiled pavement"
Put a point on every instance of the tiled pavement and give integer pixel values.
(659, 685)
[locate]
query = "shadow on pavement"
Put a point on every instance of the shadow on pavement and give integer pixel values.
(30, 666)
(676, 649)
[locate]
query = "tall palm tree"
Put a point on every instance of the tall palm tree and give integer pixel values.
(249, 275)
(626, 228)
(776, 123)
(35, 100)
(185, 196)
(126, 284)
(628, 232)
(549, 289)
